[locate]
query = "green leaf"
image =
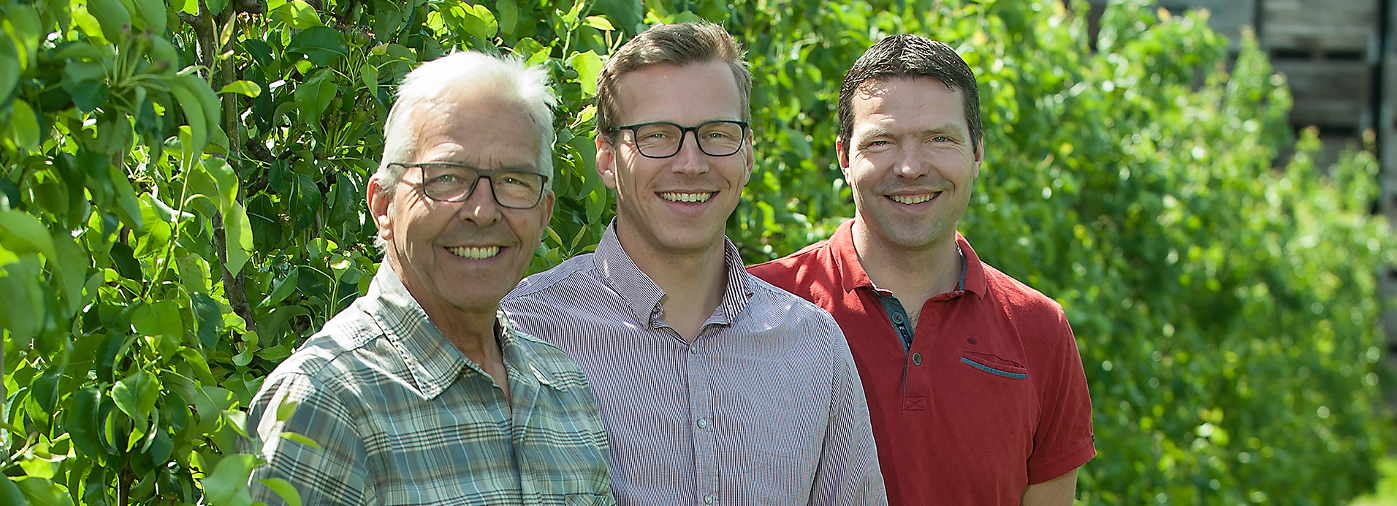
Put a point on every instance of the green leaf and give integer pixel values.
(297, 13)
(321, 44)
(227, 485)
(301, 439)
(25, 125)
(509, 16)
(284, 489)
(598, 22)
(10, 493)
(42, 492)
(70, 265)
(159, 318)
(478, 21)
(588, 66)
(271, 325)
(136, 396)
(285, 410)
(82, 423)
(314, 95)
(25, 234)
(281, 289)
(209, 316)
(216, 6)
(125, 262)
(238, 232)
(226, 180)
(128, 208)
(9, 72)
(246, 88)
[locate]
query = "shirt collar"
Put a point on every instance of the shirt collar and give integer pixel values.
(432, 360)
(642, 295)
(846, 260)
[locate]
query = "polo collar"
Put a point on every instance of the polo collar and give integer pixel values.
(642, 295)
(852, 275)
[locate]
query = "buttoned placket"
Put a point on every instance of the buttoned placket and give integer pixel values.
(700, 405)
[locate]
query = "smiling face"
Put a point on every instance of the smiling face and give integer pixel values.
(459, 257)
(910, 162)
(676, 206)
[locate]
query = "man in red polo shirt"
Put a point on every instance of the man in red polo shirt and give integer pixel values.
(973, 379)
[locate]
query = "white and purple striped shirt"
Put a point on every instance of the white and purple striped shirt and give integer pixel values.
(765, 406)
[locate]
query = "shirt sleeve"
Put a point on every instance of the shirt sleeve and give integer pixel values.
(1063, 440)
(333, 474)
(848, 473)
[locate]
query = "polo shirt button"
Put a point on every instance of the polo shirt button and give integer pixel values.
(916, 359)
(708, 499)
(897, 318)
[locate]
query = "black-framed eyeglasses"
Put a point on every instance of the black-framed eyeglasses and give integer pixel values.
(453, 182)
(663, 139)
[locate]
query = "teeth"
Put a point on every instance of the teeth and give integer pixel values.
(912, 199)
(686, 197)
(475, 253)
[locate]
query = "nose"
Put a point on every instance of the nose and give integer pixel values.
(690, 160)
(912, 164)
(480, 208)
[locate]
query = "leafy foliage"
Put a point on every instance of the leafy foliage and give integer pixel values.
(181, 205)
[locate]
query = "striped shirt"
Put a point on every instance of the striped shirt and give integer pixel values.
(403, 417)
(763, 407)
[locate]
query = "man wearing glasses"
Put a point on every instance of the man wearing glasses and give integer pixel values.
(715, 387)
(421, 391)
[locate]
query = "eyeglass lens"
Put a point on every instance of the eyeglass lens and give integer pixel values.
(456, 183)
(715, 138)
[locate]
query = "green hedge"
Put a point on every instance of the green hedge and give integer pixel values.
(181, 205)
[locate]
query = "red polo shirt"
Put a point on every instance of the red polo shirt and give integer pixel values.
(991, 396)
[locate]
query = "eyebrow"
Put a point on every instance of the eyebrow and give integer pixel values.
(507, 168)
(946, 129)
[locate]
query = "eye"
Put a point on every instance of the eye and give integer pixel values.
(941, 138)
(444, 179)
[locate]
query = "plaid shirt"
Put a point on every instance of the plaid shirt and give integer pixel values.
(403, 417)
(765, 406)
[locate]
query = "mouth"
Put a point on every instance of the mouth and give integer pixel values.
(687, 198)
(914, 199)
(474, 252)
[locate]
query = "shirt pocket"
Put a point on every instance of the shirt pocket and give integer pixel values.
(995, 365)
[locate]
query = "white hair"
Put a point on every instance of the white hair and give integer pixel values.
(467, 74)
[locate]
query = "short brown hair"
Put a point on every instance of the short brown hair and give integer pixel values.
(678, 45)
(910, 56)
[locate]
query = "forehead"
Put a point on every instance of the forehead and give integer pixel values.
(687, 94)
(920, 100)
(487, 133)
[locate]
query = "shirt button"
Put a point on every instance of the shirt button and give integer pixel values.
(703, 423)
(708, 499)
(693, 348)
(897, 318)
(916, 359)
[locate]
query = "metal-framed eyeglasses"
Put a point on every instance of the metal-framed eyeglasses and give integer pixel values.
(453, 182)
(663, 139)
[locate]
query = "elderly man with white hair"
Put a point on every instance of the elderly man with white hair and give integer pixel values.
(421, 392)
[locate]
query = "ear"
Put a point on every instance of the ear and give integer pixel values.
(842, 152)
(751, 158)
(545, 207)
(606, 161)
(979, 158)
(379, 196)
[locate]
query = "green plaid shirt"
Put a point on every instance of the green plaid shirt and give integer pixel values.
(403, 417)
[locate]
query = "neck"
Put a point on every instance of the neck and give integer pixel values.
(912, 274)
(693, 281)
(470, 330)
